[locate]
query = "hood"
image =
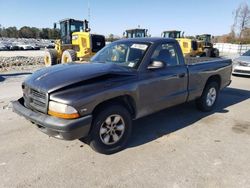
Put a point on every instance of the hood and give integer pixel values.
(243, 59)
(63, 75)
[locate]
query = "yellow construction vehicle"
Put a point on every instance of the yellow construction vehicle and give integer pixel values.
(189, 46)
(200, 46)
(76, 43)
(207, 46)
(135, 33)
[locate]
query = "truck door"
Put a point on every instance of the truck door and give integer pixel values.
(166, 86)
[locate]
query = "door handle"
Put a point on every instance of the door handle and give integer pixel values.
(182, 75)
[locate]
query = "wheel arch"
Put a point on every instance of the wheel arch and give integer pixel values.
(214, 78)
(125, 100)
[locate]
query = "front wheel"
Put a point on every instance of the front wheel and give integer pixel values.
(111, 129)
(209, 97)
(50, 57)
(216, 52)
(68, 56)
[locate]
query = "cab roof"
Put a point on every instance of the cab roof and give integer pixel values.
(171, 31)
(148, 39)
(136, 29)
(67, 19)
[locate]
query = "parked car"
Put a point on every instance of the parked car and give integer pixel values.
(126, 80)
(241, 65)
(14, 46)
(35, 47)
(50, 46)
(3, 47)
(25, 47)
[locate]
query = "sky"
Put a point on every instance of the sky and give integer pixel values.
(115, 16)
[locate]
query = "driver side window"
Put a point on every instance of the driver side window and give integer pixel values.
(166, 53)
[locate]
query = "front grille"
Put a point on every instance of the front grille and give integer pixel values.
(242, 71)
(36, 100)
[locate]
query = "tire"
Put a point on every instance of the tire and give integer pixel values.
(50, 57)
(68, 56)
(208, 52)
(210, 93)
(216, 52)
(102, 141)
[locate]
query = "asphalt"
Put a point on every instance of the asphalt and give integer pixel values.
(177, 147)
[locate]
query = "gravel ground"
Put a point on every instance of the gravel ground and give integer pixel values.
(177, 147)
(19, 60)
(28, 53)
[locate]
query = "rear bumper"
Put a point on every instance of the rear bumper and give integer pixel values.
(55, 127)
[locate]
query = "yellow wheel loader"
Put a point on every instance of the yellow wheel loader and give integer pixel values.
(189, 46)
(200, 46)
(207, 45)
(76, 43)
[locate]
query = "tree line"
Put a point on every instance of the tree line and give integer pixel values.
(29, 32)
(240, 29)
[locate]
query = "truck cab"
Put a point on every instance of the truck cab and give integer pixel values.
(69, 26)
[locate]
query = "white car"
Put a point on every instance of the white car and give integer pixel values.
(3, 47)
(25, 47)
(241, 65)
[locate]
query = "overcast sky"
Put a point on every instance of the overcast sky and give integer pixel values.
(115, 16)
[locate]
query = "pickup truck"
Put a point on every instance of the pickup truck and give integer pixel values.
(126, 80)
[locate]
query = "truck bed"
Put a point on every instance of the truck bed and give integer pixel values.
(192, 60)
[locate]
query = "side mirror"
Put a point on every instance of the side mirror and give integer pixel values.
(54, 25)
(156, 65)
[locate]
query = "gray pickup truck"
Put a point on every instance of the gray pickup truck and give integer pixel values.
(126, 80)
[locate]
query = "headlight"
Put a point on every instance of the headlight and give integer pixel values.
(244, 64)
(62, 110)
(74, 37)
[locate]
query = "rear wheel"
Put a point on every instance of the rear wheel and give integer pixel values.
(216, 52)
(68, 56)
(111, 129)
(50, 57)
(209, 97)
(208, 52)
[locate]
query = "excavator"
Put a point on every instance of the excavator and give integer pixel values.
(75, 44)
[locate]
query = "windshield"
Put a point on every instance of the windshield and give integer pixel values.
(247, 53)
(127, 54)
(172, 35)
(76, 26)
(136, 34)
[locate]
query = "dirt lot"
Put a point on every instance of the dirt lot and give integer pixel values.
(178, 147)
(24, 53)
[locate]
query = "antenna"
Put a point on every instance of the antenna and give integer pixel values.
(88, 10)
